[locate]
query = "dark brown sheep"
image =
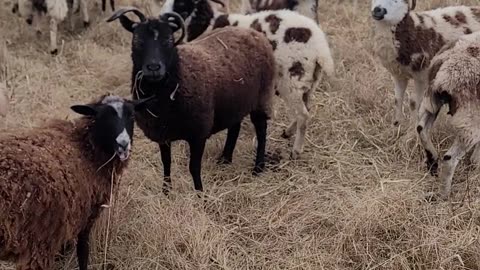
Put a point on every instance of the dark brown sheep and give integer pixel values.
(54, 180)
(202, 87)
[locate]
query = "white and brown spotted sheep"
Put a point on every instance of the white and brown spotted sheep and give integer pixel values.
(406, 41)
(300, 48)
(305, 7)
(454, 80)
(55, 10)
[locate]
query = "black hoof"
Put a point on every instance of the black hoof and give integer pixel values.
(285, 135)
(222, 160)
(396, 123)
(167, 186)
(29, 21)
(54, 52)
(86, 24)
(258, 169)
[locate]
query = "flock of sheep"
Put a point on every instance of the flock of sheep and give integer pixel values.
(219, 69)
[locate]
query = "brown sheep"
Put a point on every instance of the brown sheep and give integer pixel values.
(54, 180)
(202, 87)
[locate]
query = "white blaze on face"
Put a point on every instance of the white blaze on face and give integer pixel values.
(124, 145)
(396, 10)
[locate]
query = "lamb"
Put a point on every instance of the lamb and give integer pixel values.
(454, 77)
(202, 87)
(307, 8)
(34, 10)
(300, 47)
(406, 41)
(55, 179)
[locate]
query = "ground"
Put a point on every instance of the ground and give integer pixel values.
(353, 201)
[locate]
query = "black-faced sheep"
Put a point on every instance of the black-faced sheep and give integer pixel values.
(454, 80)
(56, 10)
(54, 180)
(406, 41)
(305, 7)
(300, 47)
(202, 87)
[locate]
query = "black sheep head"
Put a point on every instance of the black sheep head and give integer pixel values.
(112, 129)
(185, 7)
(153, 42)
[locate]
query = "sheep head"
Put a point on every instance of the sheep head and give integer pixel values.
(153, 42)
(391, 12)
(112, 129)
(186, 7)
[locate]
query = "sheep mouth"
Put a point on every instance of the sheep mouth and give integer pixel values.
(378, 17)
(152, 76)
(123, 155)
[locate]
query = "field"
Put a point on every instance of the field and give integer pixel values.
(353, 201)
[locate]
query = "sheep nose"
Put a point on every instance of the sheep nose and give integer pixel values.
(378, 13)
(153, 67)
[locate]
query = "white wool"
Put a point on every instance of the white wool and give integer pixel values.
(57, 9)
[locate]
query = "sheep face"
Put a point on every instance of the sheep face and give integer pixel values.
(153, 44)
(113, 117)
(389, 11)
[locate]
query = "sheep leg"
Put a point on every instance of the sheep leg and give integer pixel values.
(84, 8)
(259, 120)
(475, 158)
(450, 161)
(104, 5)
(197, 147)
(112, 5)
(83, 249)
(166, 154)
(53, 36)
(400, 87)
(420, 87)
(36, 22)
(231, 141)
(426, 120)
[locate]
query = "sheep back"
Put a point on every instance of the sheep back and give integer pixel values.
(50, 190)
(222, 78)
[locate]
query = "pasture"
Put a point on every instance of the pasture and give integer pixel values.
(354, 200)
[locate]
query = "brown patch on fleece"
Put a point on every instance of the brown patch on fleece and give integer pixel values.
(473, 51)
(420, 41)
(274, 22)
(296, 70)
(467, 31)
(257, 26)
(50, 190)
(298, 34)
(221, 83)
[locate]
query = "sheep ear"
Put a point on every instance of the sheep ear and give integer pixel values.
(87, 110)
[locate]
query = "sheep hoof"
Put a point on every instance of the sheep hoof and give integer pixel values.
(432, 167)
(431, 197)
(86, 24)
(222, 160)
(166, 188)
(285, 135)
(29, 21)
(396, 123)
(294, 155)
(258, 169)
(54, 52)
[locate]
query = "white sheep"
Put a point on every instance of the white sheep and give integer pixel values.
(300, 47)
(406, 41)
(454, 80)
(305, 7)
(56, 10)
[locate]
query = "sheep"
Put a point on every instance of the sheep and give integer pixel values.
(454, 79)
(406, 41)
(300, 47)
(202, 87)
(33, 11)
(56, 178)
(104, 5)
(307, 8)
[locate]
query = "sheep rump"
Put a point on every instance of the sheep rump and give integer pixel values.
(454, 80)
(222, 78)
(50, 190)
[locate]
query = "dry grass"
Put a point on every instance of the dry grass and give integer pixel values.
(353, 202)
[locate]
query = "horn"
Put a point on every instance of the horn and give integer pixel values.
(414, 4)
(219, 2)
(179, 21)
(124, 10)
